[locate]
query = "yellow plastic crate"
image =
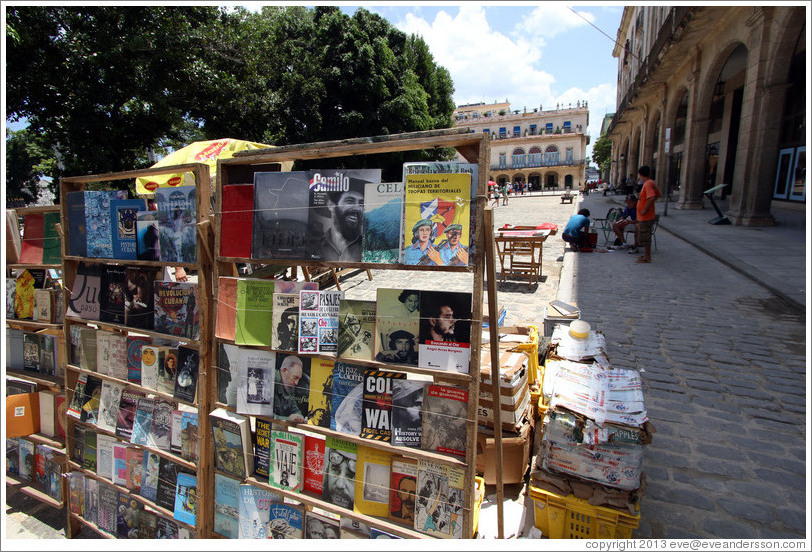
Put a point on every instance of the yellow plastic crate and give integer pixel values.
(559, 517)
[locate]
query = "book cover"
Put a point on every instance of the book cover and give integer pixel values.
(135, 463)
(150, 466)
(126, 412)
(123, 215)
(77, 398)
(189, 439)
(336, 217)
(286, 461)
(228, 361)
(149, 366)
(237, 220)
(226, 308)
(143, 420)
(43, 305)
(47, 412)
(340, 458)
(372, 481)
(117, 356)
(186, 498)
(92, 395)
(27, 459)
(61, 416)
(85, 293)
(127, 517)
(108, 507)
(53, 475)
(280, 215)
(120, 463)
(31, 352)
(348, 395)
(11, 286)
(438, 511)
(383, 219)
(22, 414)
(15, 344)
(51, 240)
(226, 506)
(437, 219)
(174, 442)
(147, 524)
(254, 305)
(102, 351)
(255, 388)
(148, 242)
(77, 452)
(445, 331)
(109, 402)
(33, 235)
(313, 463)
(402, 490)
(48, 353)
(318, 321)
(319, 526)
(262, 449)
(76, 492)
(320, 397)
(356, 329)
(24, 296)
(407, 412)
(104, 455)
(89, 451)
(160, 429)
(285, 521)
(176, 309)
(445, 416)
(397, 326)
(167, 529)
(88, 354)
(255, 511)
(177, 223)
(232, 434)
(167, 479)
(285, 322)
(291, 391)
(377, 404)
(98, 224)
(134, 344)
(77, 238)
(167, 369)
(74, 335)
(139, 303)
(185, 388)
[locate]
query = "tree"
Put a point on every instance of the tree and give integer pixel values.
(28, 161)
(602, 153)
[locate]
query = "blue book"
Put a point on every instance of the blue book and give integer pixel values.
(177, 223)
(98, 224)
(348, 394)
(77, 236)
(186, 498)
(123, 214)
(149, 475)
(143, 421)
(226, 506)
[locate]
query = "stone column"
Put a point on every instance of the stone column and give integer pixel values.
(696, 138)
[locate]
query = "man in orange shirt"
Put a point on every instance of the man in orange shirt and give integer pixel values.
(645, 212)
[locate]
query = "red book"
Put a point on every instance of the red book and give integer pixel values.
(226, 308)
(33, 238)
(237, 221)
(314, 463)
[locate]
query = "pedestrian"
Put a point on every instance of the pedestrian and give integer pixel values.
(495, 192)
(504, 192)
(577, 230)
(645, 212)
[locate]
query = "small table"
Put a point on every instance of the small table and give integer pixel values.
(520, 254)
(721, 219)
(567, 197)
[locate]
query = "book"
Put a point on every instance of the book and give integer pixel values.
(445, 416)
(262, 449)
(437, 219)
(150, 465)
(27, 459)
(17, 386)
(407, 412)
(377, 404)
(89, 451)
(143, 420)
(160, 429)
(402, 490)
(147, 238)
(11, 286)
(76, 492)
(92, 396)
(108, 507)
(291, 388)
(167, 480)
(85, 293)
(149, 366)
(255, 387)
(232, 434)
(31, 352)
(139, 304)
(134, 344)
(53, 476)
(176, 309)
(253, 316)
(319, 401)
(318, 321)
(120, 463)
(78, 435)
(227, 374)
(147, 524)
(43, 305)
(126, 412)
(320, 526)
(286, 460)
(61, 416)
(383, 216)
(189, 437)
(348, 395)
(77, 238)
(123, 216)
(356, 329)
(33, 235)
(280, 222)
(255, 511)
(109, 402)
(237, 220)
(438, 510)
(167, 369)
(98, 224)
(88, 354)
(285, 521)
(77, 399)
(168, 529)
(285, 322)
(313, 463)
(227, 506)
(117, 361)
(445, 331)
(51, 240)
(24, 295)
(185, 388)
(372, 481)
(336, 215)
(13, 455)
(15, 345)
(397, 325)
(102, 351)
(104, 455)
(135, 463)
(186, 498)
(340, 458)
(127, 518)
(177, 223)
(49, 354)
(225, 326)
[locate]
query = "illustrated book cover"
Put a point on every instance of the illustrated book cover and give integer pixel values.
(377, 404)
(123, 216)
(445, 331)
(402, 490)
(232, 442)
(340, 459)
(318, 321)
(356, 329)
(383, 218)
(286, 460)
(372, 481)
(397, 326)
(176, 309)
(407, 412)
(285, 322)
(445, 415)
(280, 215)
(177, 223)
(255, 387)
(226, 506)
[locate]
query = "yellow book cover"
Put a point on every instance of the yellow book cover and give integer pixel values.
(24, 296)
(372, 481)
(321, 391)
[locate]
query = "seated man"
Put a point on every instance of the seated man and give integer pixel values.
(577, 229)
(626, 223)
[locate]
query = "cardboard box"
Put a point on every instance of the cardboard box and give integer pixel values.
(514, 393)
(515, 454)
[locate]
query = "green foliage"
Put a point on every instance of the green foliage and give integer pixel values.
(602, 152)
(28, 161)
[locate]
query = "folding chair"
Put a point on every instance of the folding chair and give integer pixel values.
(605, 224)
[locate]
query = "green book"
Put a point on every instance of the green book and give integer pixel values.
(51, 241)
(254, 305)
(286, 461)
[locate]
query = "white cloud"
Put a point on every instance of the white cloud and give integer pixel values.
(550, 19)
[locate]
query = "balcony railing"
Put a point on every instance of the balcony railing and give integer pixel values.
(531, 161)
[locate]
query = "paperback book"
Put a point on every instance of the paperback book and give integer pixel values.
(91, 500)
(167, 480)
(397, 326)
(117, 361)
(24, 295)
(407, 412)
(134, 344)
(185, 385)
(237, 220)
(149, 366)
(285, 322)
(226, 506)
(104, 455)
(150, 466)
(285, 521)
(167, 369)
(253, 319)
(189, 440)
(383, 216)
(108, 507)
(143, 421)
(291, 388)
(225, 326)
(77, 238)
(120, 463)
(402, 490)
(340, 458)
(318, 321)
(232, 434)
(109, 402)
(262, 449)
(321, 526)
(160, 430)
(126, 412)
(85, 293)
(135, 463)
(445, 331)
(313, 463)
(33, 234)
(372, 481)
(356, 329)
(438, 511)
(228, 361)
(98, 224)
(186, 498)
(255, 391)
(139, 303)
(176, 309)
(123, 214)
(255, 511)
(319, 402)
(347, 400)
(177, 223)
(377, 404)
(286, 460)
(280, 223)
(148, 242)
(445, 415)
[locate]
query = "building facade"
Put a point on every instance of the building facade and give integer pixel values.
(544, 149)
(710, 96)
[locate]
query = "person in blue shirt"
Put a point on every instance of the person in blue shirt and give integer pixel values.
(451, 250)
(422, 251)
(626, 223)
(576, 230)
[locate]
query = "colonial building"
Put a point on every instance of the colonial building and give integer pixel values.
(545, 149)
(714, 95)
